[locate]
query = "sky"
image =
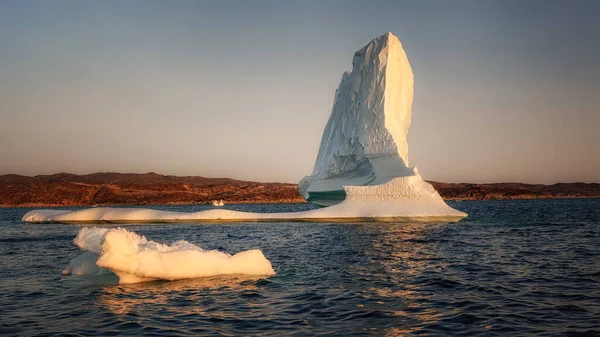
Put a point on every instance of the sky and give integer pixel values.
(505, 91)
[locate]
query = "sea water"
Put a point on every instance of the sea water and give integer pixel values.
(512, 267)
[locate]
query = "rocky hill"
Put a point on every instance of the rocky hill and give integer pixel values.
(499, 191)
(65, 189)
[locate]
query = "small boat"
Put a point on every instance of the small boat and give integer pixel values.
(218, 203)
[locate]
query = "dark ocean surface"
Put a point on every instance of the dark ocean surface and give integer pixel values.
(522, 267)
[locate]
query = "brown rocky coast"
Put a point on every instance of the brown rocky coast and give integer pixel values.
(65, 189)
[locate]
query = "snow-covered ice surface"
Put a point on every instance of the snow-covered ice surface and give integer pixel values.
(362, 160)
(135, 259)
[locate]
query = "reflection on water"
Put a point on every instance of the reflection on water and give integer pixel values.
(511, 268)
(139, 297)
(402, 259)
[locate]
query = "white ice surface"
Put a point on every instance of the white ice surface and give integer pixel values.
(135, 259)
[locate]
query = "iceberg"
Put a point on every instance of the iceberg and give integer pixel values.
(364, 152)
(361, 171)
(134, 259)
(364, 141)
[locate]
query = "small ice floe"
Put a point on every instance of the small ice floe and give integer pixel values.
(134, 259)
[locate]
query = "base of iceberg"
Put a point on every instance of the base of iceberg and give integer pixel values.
(403, 199)
(135, 259)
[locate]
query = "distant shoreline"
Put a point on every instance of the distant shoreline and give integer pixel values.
(131, 189)
(262, 203)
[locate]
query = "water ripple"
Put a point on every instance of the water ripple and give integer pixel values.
(512, 268)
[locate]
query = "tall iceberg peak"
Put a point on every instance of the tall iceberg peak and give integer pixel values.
(364, 141)
(364, 153)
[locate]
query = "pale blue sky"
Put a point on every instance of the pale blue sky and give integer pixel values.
(505, 90)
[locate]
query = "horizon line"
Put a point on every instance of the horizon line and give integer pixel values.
(261, 181)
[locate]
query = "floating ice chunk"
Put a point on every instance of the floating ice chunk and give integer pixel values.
(135, 259)
(40, 215)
